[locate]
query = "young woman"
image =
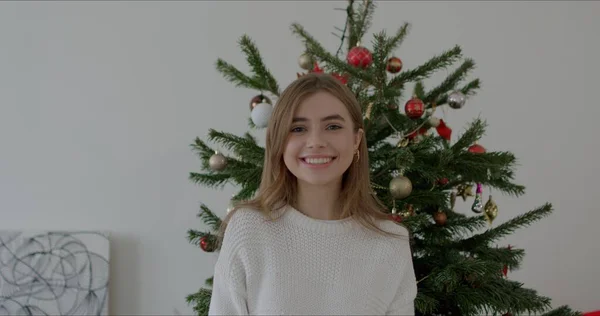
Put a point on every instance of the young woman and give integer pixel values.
(314, 240)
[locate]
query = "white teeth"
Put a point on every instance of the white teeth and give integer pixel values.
(317, 161)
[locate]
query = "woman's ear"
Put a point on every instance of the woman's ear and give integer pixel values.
(358, 138)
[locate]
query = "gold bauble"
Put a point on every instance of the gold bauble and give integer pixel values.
(305, 62)
(490, 209)
(217, 162)
(400, 187)
(464, 191)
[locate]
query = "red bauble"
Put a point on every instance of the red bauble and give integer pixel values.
(394, 65)
(477, 149)
(396, 218)
(414, 108)
(360, 57)
(443, 181)
(206, 245)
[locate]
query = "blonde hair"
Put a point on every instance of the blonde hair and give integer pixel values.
(278, 185)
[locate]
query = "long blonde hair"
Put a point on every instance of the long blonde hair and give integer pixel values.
(278, 186)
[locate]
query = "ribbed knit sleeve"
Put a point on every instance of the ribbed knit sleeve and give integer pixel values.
(229, 289)
(403, 302)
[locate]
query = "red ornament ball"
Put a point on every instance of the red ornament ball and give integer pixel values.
(477, 149)
(394, 65)
(206, 245)
(396, 218)
(414, 108)
(360, 57)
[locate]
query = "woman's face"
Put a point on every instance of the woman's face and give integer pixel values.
(321, 143)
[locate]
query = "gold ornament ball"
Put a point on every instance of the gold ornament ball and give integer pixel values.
(400, 187)
(217, 162)
(305, 62)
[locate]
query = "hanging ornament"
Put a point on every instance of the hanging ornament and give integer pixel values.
(261, 114)
(490, 210)
(440, 218)
(217, 162)
(394, 65)
(395, 216)
(305, 62)
(359, 57)
(443, 181)
(433, 121)
(477, 149)
(206, 245)
(400, 187)
(505, 267)
(414, 108)
(261, 98)
(408, 211)
(464, 191)
(456, 100)
(477, 206)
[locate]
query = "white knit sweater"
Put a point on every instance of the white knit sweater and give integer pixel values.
(298, 265)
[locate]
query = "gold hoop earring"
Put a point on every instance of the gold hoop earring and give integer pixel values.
(357, 155)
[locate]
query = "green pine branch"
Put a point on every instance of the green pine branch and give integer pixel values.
(475, 167)
(333, 63)
(210, 180)
(200, 301)
(194, 236)
(475, 131)
(419, 90)
(261, 73)
(506, 228)
(360, 21)
(460, 226)
(395, 41)
(238, 78)
(425, 303)
(262, 79)
(450, 82)
(244, 147)
(422, 72)
(469, 89)
(498, 295)
(209, 218)
(562, 311)
(510, 257)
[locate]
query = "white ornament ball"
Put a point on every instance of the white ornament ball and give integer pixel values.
(433, 121)
(261, 114)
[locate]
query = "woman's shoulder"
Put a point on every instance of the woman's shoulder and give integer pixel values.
(246, 218)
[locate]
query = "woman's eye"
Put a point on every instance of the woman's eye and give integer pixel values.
(297, 129)
(334, 127)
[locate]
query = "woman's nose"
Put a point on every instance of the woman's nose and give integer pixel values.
(315, 139)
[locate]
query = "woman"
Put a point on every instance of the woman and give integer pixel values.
(314, 240)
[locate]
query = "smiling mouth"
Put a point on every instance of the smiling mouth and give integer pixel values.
(318, 161)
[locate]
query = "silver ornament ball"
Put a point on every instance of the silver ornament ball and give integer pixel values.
(217, 162)
(456, 100)
(305, 62)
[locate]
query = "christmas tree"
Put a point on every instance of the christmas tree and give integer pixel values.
(417, 169)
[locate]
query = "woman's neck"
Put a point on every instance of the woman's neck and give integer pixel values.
(319, 202)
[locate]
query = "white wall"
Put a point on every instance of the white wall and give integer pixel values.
(99, 102)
